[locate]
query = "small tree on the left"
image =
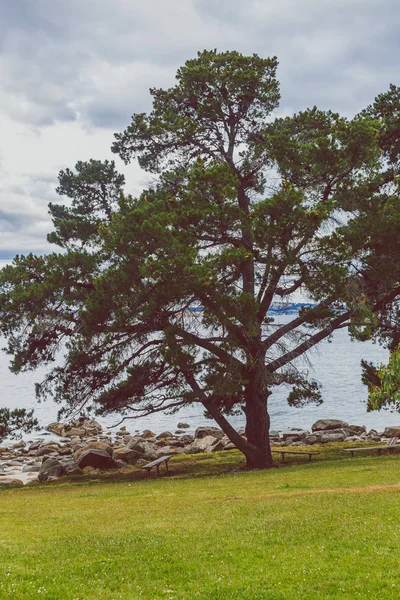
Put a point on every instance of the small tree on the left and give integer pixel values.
(14, 422)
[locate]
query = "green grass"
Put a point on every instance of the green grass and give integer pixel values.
(325, 529)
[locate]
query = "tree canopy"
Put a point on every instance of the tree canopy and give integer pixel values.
(163, 300)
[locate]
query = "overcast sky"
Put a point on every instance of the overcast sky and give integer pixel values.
(74, 71)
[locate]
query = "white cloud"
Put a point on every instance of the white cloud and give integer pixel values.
(73, 72)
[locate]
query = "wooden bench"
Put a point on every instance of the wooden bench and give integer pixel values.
(390, 446)
(157, 463)
(283, 452)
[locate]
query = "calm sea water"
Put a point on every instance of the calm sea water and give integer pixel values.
(336, 365)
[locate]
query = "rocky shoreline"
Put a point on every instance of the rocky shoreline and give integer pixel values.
(83, 447)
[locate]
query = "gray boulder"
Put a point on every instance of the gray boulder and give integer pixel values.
(127, 455)
(72, 469)
(312, 439)
(357, 429)
(65, 451)
(327, 424)
(392, 431)
(165, 450)
(162, 442)
(34, 446)
(46, 451)
(10, 482)
(50, 469)
(275, 440)
(230, 446)
(290, 442)
(204, 444)
(176, 443)
(145, 449)
(56, 428)
(202, 432)
(31, 469)
(80, 427)
(92, 445)
(341, 431)
(135, 441)
(295, 435)
(94, 457)
(147, 433)
(20, 444)
(333, 437)
(165, 434)
(76, 432)
(187, 439)
(219, 445)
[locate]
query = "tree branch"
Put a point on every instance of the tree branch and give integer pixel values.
(220, 353)
(277, 335)
(312, 341)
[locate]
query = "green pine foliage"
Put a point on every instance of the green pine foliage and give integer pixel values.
(14, 422)
(384, 384)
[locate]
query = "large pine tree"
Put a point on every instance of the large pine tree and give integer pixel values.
(248, 209)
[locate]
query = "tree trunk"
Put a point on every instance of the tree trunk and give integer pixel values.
(256, 448)
(257, 432)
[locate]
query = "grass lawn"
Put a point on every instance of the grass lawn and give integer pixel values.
(325, 529)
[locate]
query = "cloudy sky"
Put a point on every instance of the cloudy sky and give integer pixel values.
(74, 71)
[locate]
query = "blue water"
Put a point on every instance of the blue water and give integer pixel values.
(336, 365)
